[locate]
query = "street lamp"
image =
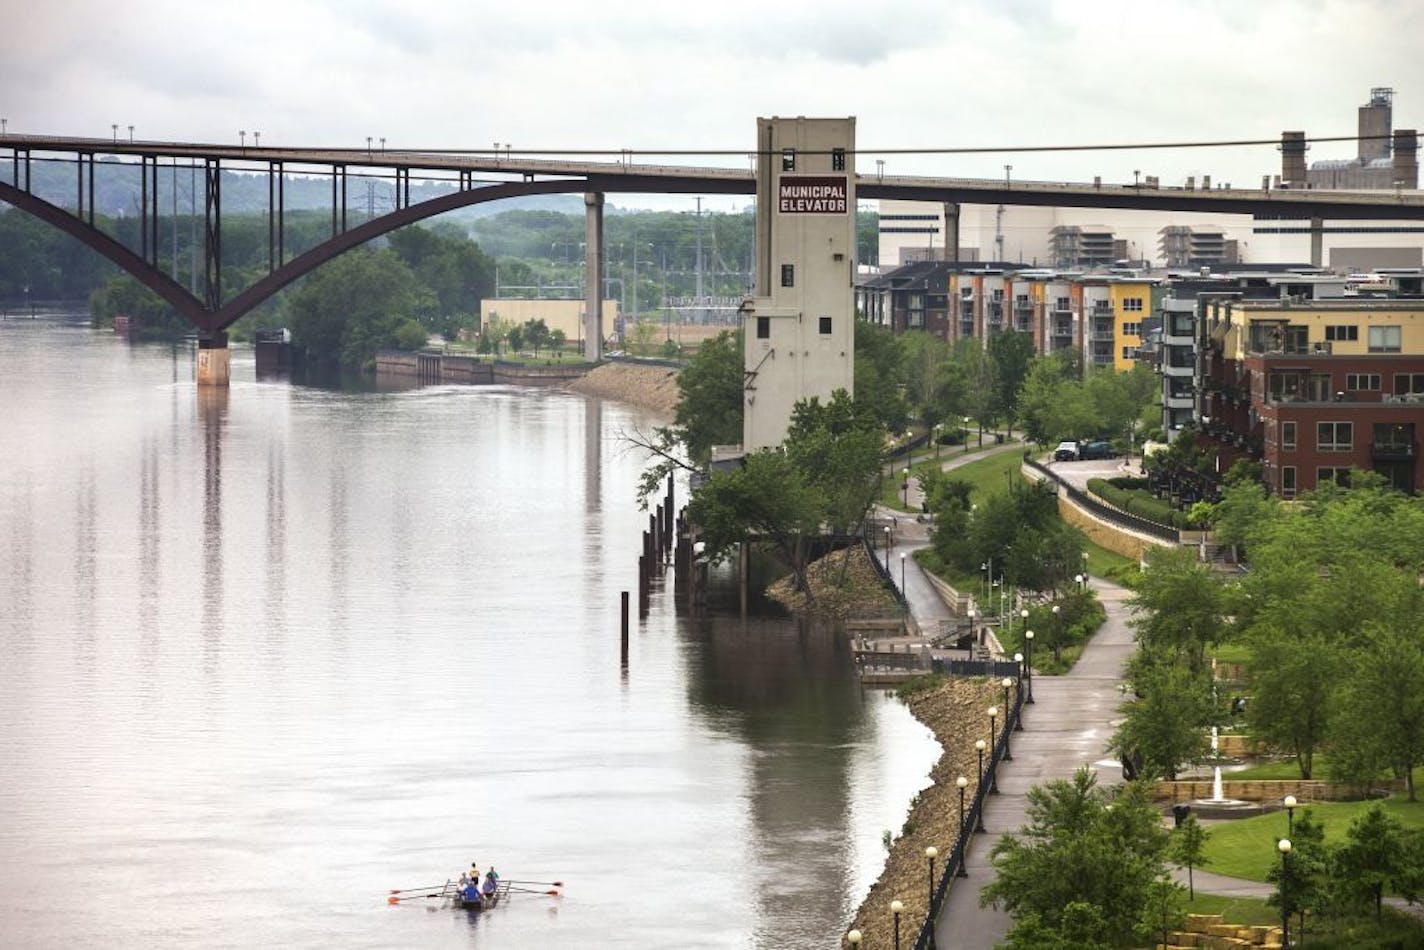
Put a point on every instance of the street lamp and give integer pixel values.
(257, 139)
(1007, 170)
(938, 431)
(905, 487)
(1078, 579)
(130, 135)
(887, 547)
(1057, 628)
(1028, 663)
(1007, 682)
(993, 747)
(853, 938)
(979, 748)
(242, 137)
(115, 127)
(896, 909)
(1290, 804)
(966, 435)
(1284, 847)
(931, 853)
(902, 572)
(1135, 173)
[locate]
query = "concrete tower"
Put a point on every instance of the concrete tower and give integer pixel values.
(800, 326)
(1376, 120)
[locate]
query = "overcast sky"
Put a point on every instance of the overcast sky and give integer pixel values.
(648, 75)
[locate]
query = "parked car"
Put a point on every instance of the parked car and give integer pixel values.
(1066, 452)
(1097, 450)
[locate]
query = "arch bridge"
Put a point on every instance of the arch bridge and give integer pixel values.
(477, 177)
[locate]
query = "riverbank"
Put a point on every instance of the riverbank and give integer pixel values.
(843, 584)
(648, 387)
(952, 709)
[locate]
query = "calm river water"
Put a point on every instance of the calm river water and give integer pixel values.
(265, 656)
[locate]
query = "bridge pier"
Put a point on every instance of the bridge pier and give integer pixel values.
(593, 276)
(214, 360)
(951, 231)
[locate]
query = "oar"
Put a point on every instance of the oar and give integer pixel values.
(407, 890)
(412, 897)
(530, 890)
(545, 883)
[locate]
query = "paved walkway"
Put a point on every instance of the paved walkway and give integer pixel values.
(1068, 726)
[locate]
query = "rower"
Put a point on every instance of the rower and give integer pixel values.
(491, 883)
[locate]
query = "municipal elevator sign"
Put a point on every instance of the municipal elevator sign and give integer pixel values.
(813, 194)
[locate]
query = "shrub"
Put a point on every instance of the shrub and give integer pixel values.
(1136, 501)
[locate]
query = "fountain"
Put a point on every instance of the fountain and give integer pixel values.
(1218, 805)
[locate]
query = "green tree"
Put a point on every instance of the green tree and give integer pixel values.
(1376, 855)
(1188, 849)
(765, 498)
(879, 375)
(349, 309)
(1082, 869)
(1011, 354)
(710, 410)
(924, 357)
(1379, 720)
(411, 335)
(1293, 682)
(971, 362)
(1182, 607)
(1164, 724)
(1307, 872)
(836, 447)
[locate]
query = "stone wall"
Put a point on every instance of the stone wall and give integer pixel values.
(1268, 791)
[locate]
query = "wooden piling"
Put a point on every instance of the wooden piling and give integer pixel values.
(623, 629)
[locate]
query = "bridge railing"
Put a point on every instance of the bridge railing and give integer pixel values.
(1105, 511)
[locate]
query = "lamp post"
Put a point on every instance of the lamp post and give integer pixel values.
(979, 748)
(115, 127)
(1019, 664)
(905, 487)
(966, 435)
(1290, 804)
(1007, 682)
(1078, 579)
(973, 634)
(930, 854)
(1284, 847)
(938, 430)
(1057, 630)
(887, 547)
(993, 747)
(1007, 170)
(853, 938)
(130, 135)
(257, 139)
(242, 138)
(1028, 663)
(961, 783)
(902, 572)
(896, 909)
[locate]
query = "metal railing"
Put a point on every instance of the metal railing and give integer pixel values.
(1105, 511)
(956, 860)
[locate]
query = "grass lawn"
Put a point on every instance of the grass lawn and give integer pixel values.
(987, 475)
(1237, 910)
(1105, 563)
(1276, 769)
(1232, 653)
(1247, 848)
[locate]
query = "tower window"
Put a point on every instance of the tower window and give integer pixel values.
(788, 159)
(826, 326)
(763, 328)
(788, 275)
(838, 159)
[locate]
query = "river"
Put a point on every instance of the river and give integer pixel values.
(268, 653)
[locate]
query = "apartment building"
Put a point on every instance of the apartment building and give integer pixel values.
(1314, 388)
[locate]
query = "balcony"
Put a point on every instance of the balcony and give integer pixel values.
(1102, 335)
(1101, 308)
(1063, 331)
(1394, 451)
(1023, 306)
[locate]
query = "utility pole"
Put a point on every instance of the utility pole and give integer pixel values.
(700, 302)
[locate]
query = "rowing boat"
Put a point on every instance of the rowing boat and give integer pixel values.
(471, 898)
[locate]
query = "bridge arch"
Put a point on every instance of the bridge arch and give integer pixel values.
(215, 321)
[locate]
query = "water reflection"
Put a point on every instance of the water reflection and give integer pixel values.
(430, 678)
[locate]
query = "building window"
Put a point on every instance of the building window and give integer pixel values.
(1132, 303)
(1132, 329)
(1384, 339)
(837, 159)
(1288, 436)
(1356, 381)
(1342, 333)
(788, 275)
(763, 328)
(1340, 476)
(1288, 481)
(1129, 352)
(1335, 436)
(1407, 383)
(1063, 303)
(826, 326)
(788, 159)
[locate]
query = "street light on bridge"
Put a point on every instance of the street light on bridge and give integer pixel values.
(115, 127)
(242, 137)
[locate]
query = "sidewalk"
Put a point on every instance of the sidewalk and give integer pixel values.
(1068, 726)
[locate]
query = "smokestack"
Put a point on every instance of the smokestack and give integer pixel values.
(1293, 157)
(1406, 158)
(1375, 123)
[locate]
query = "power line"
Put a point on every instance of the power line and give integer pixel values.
(508, 151)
